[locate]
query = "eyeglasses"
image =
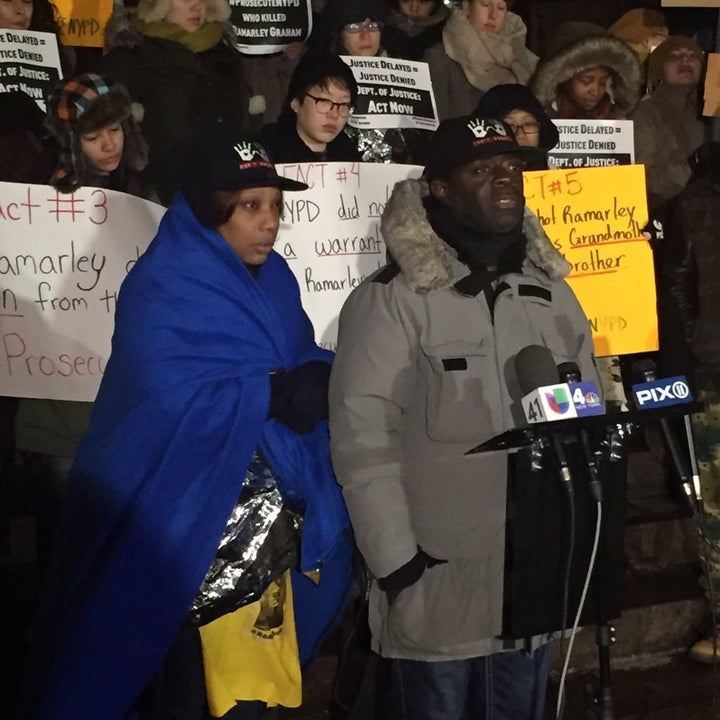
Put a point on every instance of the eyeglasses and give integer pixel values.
(369, 25)
(528, 128)
(324, 106)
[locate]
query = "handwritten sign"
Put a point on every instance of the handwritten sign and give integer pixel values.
(267, 26)
(593, 143)
(331, 236)
(82, 22)
(29, 63)
(595, 217)
(392, 93)
(62, 260)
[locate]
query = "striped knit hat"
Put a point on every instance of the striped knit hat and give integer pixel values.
(85, 104)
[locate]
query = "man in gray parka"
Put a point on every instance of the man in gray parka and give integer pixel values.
(424, 372)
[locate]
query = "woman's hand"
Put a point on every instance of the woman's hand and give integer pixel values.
(299, 398)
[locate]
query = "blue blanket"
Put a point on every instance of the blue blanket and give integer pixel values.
(182, 406)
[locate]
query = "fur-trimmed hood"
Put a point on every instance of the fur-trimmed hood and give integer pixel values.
(585, 52)
(428, 263)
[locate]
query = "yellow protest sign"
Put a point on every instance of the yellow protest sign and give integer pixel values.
(82, 22)
(595, 217)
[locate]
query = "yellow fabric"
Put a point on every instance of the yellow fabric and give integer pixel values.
(252, 653)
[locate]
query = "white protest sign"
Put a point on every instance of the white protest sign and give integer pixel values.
(263, 27)
(392, 93)
(29, 63)
(330, 235)
(62, 260)
(593, 143)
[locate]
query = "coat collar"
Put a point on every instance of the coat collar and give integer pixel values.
(427, 262)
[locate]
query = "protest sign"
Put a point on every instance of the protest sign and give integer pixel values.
(330, 234)
(267, 26)
(29, 63)
(392, 94)
(593, 143)
(82, 22)
(62, 260)
(595, 217)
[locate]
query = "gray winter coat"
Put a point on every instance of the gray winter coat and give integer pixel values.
(422, 375)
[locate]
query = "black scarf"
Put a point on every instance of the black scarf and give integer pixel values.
(498, 252)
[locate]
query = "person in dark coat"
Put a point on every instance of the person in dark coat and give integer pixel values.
(180, 63)
(522, 111)
(413, 26)
(320, 98)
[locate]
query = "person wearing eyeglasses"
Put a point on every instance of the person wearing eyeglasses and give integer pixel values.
(320, 100)
(355, 27)
(522, 111)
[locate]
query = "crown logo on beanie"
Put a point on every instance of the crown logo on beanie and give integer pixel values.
(481, 128)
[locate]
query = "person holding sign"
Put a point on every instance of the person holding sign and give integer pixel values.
(320, 98)
(587, 74)
(353, 27)
(178, 59)
(483, 44)
(423, 373)
(214, 383)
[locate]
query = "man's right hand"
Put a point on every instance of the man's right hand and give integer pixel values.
(408, 574)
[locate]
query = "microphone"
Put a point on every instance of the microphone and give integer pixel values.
(544, 398)
(651, 393)
(586, 399)
(584, 393)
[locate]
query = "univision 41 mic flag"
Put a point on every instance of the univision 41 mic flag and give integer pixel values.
(264, 27)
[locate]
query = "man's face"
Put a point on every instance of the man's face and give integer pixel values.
(682, 67)
(487, 191)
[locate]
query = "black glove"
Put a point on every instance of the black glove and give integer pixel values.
(705, 161)
(408, 574)
(299, 398)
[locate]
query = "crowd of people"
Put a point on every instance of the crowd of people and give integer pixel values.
(217, 402)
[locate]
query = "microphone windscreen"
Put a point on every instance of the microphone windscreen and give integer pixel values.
(644, 370)
(569, 372)
(535, 367)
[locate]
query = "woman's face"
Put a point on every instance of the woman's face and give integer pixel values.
(525, 126)
(485, 15)
(102, 149)
(416, 9)
(15, 14)
(361, 38)
(188, 14)
(252, 228)
(316, 125)
(586, 89)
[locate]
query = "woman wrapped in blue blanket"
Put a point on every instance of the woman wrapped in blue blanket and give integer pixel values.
(214, 370)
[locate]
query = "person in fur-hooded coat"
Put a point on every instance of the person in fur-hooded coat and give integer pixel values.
(184, 70)
(423, 373)
(578, 48)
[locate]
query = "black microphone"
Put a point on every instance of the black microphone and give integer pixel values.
(581, 392)
(544, 398)
(645, 372)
